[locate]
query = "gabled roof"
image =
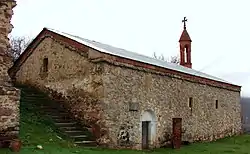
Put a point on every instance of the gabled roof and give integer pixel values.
(135, 56)
(108, 49)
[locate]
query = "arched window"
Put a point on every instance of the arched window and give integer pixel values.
(185, 54)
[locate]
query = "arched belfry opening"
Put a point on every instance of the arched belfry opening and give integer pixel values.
(148, 123)
(185, 54)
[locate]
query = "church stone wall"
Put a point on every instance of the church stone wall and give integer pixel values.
(129, 93)
(9, 96)
(114, 99)
(71, 78)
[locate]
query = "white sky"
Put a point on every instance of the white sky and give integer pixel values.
(219, 28)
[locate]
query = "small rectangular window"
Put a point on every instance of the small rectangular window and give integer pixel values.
(216, 104)
(190, 104)
(45, 65)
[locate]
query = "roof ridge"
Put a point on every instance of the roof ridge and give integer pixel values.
(118, 48)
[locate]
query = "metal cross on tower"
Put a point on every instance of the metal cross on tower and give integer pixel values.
(184, 21)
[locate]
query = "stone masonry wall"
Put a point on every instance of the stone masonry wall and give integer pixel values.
(9, 96)
(166, 98)
(71, 78)
(114, 99)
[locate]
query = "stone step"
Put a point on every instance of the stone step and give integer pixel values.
(69, 128)
(58, 116)
(67, 124)
(28, 101)
(28, 94)
(57, 113)
(85, 143)
(79, 137)
(38, 102)
(25, 88)
(35, 99)
(75, 132)
(52, 110)
(51, 107)
(25, 93)
(62, 115)
(31, 92)
(63, 120)
(75, 127)
(31, 97)
(86, 138)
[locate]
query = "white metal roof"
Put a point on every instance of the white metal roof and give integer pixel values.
(135, 56)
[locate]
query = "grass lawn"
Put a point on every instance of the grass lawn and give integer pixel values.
(37, 130)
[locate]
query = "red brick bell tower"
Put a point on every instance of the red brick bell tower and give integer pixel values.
(185, 47)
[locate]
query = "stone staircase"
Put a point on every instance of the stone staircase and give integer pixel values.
(66, 125)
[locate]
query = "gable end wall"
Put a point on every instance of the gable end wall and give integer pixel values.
(71, 79)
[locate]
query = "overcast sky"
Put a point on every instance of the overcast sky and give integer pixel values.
(219, 28)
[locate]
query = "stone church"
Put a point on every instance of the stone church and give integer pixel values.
(132, 100)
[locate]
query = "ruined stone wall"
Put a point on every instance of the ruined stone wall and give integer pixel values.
(9, 96)
(71, 78)
(129, 93)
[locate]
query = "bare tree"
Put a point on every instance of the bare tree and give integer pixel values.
(161, 57)
(18, 45)
(173, 59)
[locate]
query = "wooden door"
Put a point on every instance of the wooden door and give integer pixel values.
(145, 134)
(177, 127)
